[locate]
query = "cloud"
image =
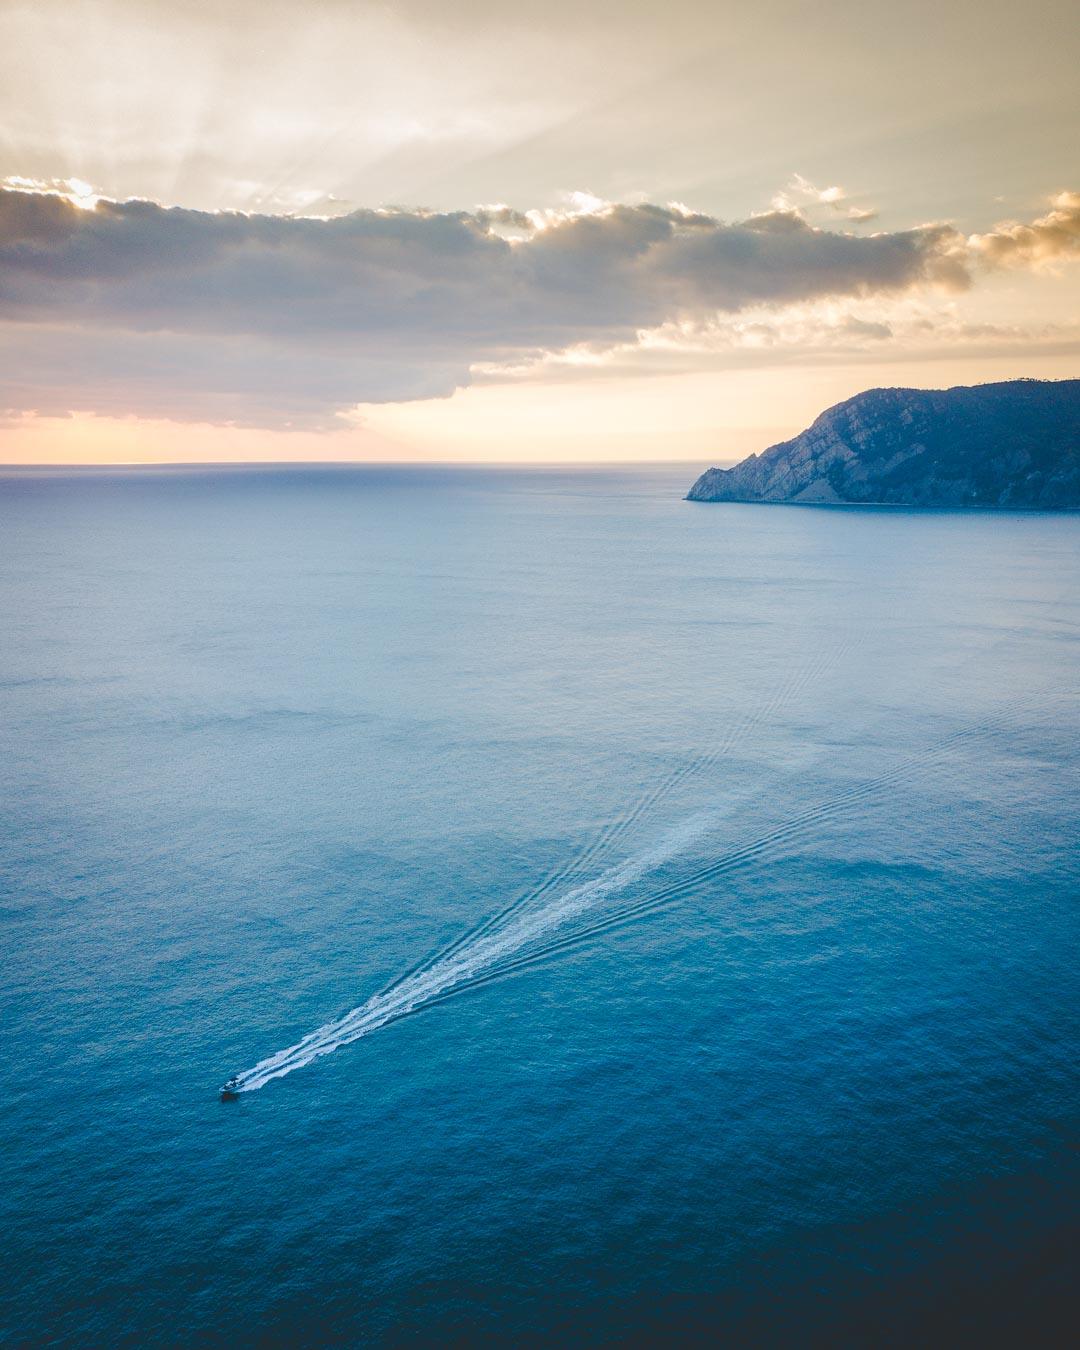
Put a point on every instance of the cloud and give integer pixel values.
(1051, 238)
(285, 320)
(801, 192)
(259, 382)
(873, 329)
(72, 190)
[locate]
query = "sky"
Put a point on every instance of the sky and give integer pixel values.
(585, 231)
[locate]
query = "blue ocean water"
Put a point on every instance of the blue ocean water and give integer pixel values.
(629, 919)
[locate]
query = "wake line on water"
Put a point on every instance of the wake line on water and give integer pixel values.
(527, 936)
(764, 847)
(497, 942)
(469, 963)
(704, 761)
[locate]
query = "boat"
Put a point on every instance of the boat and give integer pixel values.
(230, 1088)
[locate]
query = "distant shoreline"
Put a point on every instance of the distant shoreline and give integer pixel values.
(895, 506)
(1011, 445)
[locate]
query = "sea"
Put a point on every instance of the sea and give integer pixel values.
(627, 921)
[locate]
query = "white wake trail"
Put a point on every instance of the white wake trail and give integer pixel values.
(468, 961)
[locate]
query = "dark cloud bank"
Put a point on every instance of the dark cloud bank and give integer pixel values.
(132, 307)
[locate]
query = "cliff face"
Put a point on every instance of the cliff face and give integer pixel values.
(1015, 444)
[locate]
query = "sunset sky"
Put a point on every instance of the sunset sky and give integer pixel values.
(272, 230)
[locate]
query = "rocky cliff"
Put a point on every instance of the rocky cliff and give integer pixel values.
(1015, 444)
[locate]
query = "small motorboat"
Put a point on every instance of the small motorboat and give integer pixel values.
(230, 1088)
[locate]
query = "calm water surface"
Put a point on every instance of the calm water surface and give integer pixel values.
(774, 1033)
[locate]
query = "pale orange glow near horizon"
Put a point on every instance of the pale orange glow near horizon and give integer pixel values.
(711, 417)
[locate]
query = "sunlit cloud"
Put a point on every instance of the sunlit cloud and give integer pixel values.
(1051, 238)
(72, 190)
(259, 319)
(801, 193)
(290, 320)
(876, 329)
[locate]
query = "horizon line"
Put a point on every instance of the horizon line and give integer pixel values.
(346, 464)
